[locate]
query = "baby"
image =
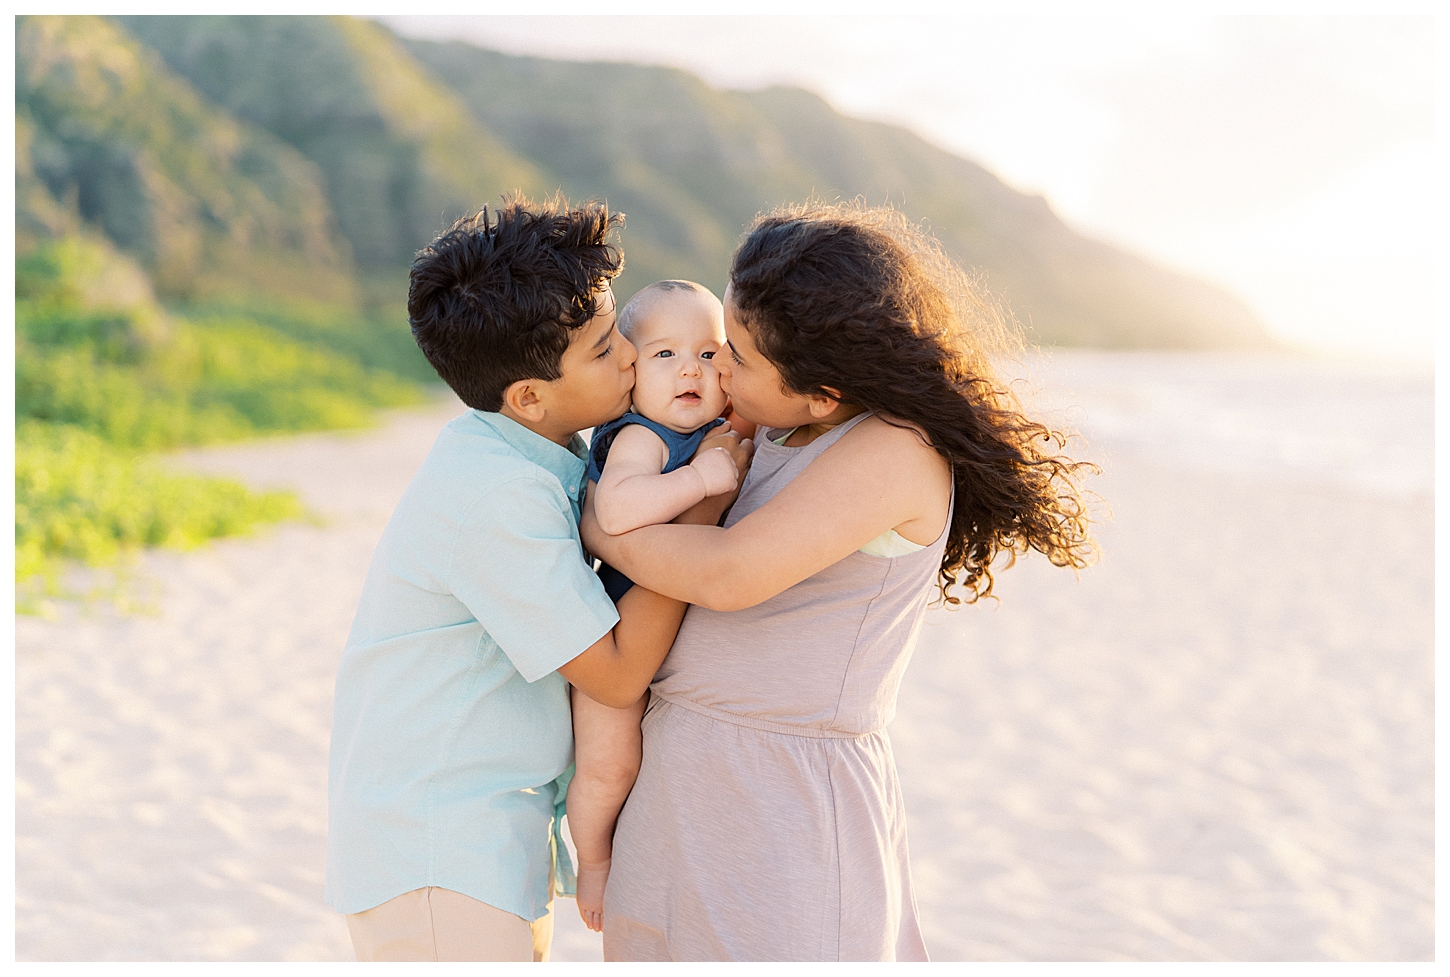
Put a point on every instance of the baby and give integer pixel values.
(642, 464)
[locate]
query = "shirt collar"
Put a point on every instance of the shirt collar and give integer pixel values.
(565, 463)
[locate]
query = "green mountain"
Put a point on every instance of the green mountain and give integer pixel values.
(400, 153)
(380, 141)
(107, 136)
(691, 166)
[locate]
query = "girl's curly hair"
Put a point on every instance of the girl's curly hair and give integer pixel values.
(861, 300)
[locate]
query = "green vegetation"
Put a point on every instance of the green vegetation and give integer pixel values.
(78, 497)
(399, 153)
(141, 379)
(119, 143)
(103, 374)
(219, 380)
(375, 336)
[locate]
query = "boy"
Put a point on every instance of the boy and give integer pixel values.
(451, 718)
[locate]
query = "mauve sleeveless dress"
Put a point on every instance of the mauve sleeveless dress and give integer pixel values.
(767, 821)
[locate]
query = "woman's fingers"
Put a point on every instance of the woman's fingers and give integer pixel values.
(741, 454)
(725, 438)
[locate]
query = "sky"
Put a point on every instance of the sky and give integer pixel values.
(1290, 159)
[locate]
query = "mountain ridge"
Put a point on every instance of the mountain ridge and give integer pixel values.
(395, 136)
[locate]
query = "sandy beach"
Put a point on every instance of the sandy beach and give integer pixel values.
(1216, 744)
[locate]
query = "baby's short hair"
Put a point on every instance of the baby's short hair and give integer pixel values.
(635, 307)
(492, 302)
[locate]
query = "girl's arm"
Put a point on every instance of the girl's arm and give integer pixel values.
(877, 477)
(632, 492)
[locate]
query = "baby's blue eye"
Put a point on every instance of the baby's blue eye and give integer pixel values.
(664, 353)
(707, 356)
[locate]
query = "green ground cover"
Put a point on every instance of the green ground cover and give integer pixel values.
(105, 378)
(78, 497)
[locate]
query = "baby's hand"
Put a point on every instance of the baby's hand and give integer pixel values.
(717, 467)
(707, 512)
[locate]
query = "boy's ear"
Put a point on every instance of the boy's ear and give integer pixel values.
(824, 405)
(525, 399)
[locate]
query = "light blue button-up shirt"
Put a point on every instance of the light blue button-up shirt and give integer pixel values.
(450, 722)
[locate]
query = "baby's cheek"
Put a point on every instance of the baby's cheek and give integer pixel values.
(715, 393)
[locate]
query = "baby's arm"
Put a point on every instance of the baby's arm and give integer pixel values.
(632, 492)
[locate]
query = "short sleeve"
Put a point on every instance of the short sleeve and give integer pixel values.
(518, 566)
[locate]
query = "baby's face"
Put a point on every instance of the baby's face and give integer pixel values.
(675, 380)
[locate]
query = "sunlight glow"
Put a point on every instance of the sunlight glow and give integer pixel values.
(1290, 159)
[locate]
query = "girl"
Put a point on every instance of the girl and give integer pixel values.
(767, 822)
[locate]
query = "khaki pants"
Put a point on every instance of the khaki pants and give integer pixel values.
(440, 924)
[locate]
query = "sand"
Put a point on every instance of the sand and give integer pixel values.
(1216, 745)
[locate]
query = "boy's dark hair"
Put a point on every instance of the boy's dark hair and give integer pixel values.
(494, 302)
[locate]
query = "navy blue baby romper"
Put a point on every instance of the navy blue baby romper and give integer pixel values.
(682, 449)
